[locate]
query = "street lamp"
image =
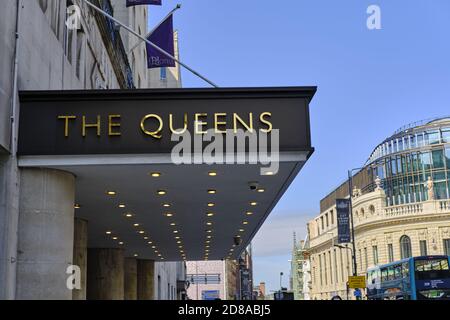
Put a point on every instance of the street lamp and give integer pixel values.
(350, 188)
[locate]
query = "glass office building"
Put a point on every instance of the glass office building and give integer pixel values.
(408, 159)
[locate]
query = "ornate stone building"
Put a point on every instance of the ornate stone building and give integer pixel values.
(401, 208)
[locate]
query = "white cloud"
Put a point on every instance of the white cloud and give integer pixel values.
(276, 235)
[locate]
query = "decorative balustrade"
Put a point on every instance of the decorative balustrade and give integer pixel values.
(406, 209)
(444, 205)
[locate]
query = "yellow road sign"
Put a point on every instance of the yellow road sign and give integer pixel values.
(356, 282)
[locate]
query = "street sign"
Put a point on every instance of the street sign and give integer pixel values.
(210, 294)
(343, 220)
(355, 282)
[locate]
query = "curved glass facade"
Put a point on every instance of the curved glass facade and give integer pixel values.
(409, 158)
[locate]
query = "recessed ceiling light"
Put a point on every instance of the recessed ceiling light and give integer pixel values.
(209, 231)
(249, 213)
(207, 241)
(207, 247)
(209, 223)
(150, 242)
(212, 191)
(231, 250)
(208, 237)
(269, 173)
(169, 214)
(175, 231)
(166, 205)
(111, 193)
(254, 203)
(141, 231)
(210, 214)
(136, 255)
(260, 190)
(178, 242)
(161, 192)
(153, 247)
(128, 215)
(177, 237)
(155, 174)
(173, 224)
(212, 173)
(121, 205)
(136, 224)
(115, 238)
(180, 247)
(211, 204)
(77, 206)
(241, 230)
(245, 222)
(121, 242)
(145, 238)
(108, 232)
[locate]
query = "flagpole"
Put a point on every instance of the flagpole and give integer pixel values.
(149, 42)
(153, 30)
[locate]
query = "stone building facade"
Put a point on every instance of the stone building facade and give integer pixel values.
(401, 208)
(39, 51)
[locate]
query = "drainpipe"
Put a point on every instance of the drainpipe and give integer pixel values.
(14, 106)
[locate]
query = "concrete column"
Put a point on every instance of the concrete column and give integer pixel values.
(45, 242)
(130, 279)
(105, 271)
(80, 255)
(145, 279)
(9, 220)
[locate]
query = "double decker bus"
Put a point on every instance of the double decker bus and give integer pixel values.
(417, 278)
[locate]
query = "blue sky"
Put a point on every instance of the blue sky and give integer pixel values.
(369, 83)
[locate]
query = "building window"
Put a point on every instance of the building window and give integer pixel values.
(391, 252)
(423, 247)
(320, 269)
(163, 74)
(332, 217)
(326, 218)
(366, 259)
(405, 247)
(336, 280)
(360, 260)
(375, 255)
(159, 288)
(321, 222)
(447, 247)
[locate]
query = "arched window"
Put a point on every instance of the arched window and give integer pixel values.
(405, 247)
(372, 209)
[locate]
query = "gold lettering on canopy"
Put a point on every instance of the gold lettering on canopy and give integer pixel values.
(248, 126)
(199, 124)
(112, 125)
(266, 122)
(179, 131)
(157, 133)
(66, 123)
(90, 125)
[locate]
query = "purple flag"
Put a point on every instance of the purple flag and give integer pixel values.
(131, 3)
(163, 38)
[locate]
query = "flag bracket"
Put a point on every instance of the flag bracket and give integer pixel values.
(150, 43)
